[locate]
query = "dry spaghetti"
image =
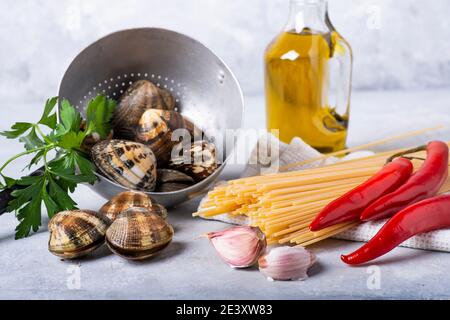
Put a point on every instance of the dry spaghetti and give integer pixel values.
(283, 205)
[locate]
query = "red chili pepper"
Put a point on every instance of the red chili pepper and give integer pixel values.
(425, 216)
(350, 206)
(424, 184)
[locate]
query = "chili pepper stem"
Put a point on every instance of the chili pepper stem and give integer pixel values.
(410, 151)
(424, 183)
(415, 158)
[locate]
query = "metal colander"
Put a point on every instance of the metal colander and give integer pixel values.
(204, 88)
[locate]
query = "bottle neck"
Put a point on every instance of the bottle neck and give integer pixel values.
(308, 14)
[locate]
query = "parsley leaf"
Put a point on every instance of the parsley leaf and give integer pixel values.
(72, 140)
(17, 130)
(60, 195)
(99, 113)
(70, 118)
(29, 217)
(32, 140)
(48, 119)
(50, 186)
(36, 159)
(85, 166)
(27, 204)
(51, 206)
(9, 181)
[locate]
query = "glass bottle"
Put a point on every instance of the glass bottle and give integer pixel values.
(308, 71)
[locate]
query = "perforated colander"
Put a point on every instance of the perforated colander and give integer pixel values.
(204, 88)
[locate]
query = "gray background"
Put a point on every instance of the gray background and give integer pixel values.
(401, 44)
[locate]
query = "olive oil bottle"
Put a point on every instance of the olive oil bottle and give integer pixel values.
(308, 70)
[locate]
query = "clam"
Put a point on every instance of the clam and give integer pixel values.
(169, 175)
(198, 160)
(130, 164)
(131, 199)
(155, 129)
(138, 233)
(160, 210)
(139, 97)
(169, 180)
(76, 233)
(195, 132)
(171, 187)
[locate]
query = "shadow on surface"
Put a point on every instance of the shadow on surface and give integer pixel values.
(329, 244)
(10, 235)
(393, 259)
(175, 248)
(100, 253)
(316, 269)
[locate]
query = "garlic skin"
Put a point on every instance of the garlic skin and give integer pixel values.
(286, 263)
(239, 247)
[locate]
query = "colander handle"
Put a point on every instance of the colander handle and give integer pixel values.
(6, 195)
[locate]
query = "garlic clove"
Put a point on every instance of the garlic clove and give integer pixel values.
(286, 263)
(239, 247)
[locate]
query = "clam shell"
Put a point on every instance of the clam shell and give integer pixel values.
(155, 129)
(171, 187)
(76, 233)
(160, 210)
(195, 132)
(131, 164)
(138, 234)
(199, 160)
(139, 97)
(130, 199)
(169, 180)
(169, 175)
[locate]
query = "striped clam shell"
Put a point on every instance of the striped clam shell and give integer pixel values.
(76, 233)
(155, 129)
(140, 96)
(130, 199)
(138, 234)
(130, 164)
(199, 160)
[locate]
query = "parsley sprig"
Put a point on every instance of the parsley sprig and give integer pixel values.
(60, 176)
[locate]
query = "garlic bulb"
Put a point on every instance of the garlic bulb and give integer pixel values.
(239, 247)
(286, 263)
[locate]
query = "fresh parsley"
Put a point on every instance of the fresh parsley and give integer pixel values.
(59, 177)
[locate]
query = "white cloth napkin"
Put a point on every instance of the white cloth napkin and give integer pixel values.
(435, 241)
(298, 151)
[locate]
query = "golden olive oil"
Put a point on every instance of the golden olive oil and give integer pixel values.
(297, 84)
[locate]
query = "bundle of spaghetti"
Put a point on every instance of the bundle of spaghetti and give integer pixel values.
(283, 205)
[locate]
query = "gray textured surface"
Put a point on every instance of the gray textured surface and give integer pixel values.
(189, 268)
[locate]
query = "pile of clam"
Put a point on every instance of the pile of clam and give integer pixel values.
(142, 154)
(132, 224)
